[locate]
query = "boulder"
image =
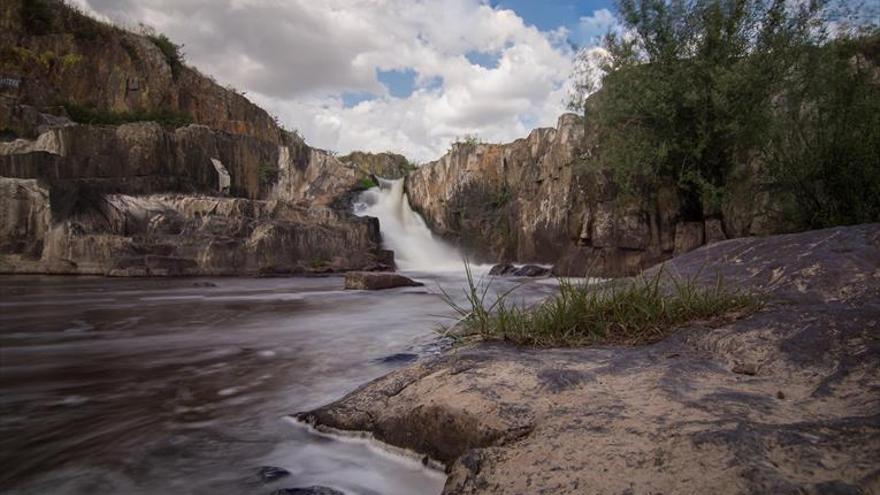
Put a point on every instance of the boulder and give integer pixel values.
(784, 400)
(502, 269)
(531, 271)
(377, 281)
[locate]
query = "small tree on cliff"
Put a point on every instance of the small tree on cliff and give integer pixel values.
(690, 89)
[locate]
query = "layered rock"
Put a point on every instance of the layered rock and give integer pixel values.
(232, 193)
(547, 199)
(176, 235)
(785, 400)
(69, 58)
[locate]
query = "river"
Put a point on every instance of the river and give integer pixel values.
(153, 386)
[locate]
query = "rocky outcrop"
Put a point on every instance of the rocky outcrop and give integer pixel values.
(177, 235)
(785, 400)
(68, 58)
(231, 193)
(377, 281)
(386, 165)
(547, 199)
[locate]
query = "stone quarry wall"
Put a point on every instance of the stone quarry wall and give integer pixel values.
(546, 198)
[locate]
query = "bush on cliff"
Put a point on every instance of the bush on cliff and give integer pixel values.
(695, 89)
(640, 310)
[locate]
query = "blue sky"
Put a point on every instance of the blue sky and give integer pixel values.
(548, 15)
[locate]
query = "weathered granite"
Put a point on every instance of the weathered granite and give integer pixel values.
(786, 400)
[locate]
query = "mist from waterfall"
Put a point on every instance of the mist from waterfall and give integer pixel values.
(405, 232)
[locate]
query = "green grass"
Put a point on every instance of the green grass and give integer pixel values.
(633, 311)
(88, 115)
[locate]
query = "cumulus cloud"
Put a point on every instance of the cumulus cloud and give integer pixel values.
(297, 58)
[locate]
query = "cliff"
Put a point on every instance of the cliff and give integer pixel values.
(113, 190)
(546, 198)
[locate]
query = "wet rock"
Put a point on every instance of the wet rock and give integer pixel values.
(502, 269)
(268, 474)
(509, 420)
(400, 357)
(311, 490)
(377, 281)
(531, 271)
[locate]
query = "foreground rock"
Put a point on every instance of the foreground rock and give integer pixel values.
(784, 401)
(377, 281)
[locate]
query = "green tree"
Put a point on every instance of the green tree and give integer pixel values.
(687, 91)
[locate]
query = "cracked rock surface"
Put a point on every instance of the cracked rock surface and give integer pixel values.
(786, 400)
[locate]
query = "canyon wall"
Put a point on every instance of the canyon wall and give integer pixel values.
(218, 188)
(547, 198)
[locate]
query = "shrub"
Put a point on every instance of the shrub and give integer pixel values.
(268, 173)
(88, 115)
(173, 52)
(632, 311)
(367, 183)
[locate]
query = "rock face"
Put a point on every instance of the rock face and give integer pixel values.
(232, 193)
(547, 199)
(783, 401)
(385, 165)
(377, 281)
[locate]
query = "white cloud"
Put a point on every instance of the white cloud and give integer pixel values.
(592, 28)
(297, 57)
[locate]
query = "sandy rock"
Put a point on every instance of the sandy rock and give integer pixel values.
(700, 412)
(377, 281)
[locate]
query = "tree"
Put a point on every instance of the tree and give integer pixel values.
(688, 89)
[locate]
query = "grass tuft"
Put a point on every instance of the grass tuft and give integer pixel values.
(639, 310)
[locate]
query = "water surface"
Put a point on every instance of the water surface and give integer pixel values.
(185, 385)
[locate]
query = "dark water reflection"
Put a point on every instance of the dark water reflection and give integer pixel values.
(170, 386)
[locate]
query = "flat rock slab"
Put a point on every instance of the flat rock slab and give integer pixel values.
(377, 281)
(784, 401)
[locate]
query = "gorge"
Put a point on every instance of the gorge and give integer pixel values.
(175, 317)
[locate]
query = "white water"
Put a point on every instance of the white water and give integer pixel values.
(404, 231)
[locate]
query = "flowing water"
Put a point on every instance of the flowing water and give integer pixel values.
(154, 386)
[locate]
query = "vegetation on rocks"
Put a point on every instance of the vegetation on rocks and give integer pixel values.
(639, 310)
(172, 51)
(88, 115)
(696, 90)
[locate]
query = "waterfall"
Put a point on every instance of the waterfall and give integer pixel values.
(404, 231)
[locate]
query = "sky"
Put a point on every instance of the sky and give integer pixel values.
(407, 76)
